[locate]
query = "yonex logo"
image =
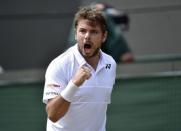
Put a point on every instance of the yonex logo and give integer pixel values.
(108, 66)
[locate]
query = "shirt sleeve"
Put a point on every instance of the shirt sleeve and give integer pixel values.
(55, 81)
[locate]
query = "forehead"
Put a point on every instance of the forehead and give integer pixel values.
(84, 23)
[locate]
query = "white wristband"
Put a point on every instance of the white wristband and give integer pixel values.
(69, 91)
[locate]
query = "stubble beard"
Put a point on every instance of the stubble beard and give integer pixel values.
(95, 53)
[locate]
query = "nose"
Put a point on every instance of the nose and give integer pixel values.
(87, 36)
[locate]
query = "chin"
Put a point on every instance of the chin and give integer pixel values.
(87, 55)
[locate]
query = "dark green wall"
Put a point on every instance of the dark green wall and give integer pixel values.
(21, 107)
(146, 104)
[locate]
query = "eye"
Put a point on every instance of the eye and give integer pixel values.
(94, 32)
(83, 31)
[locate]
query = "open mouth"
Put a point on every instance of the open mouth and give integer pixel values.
(87, 47)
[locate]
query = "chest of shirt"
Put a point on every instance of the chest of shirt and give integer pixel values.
(97, 89)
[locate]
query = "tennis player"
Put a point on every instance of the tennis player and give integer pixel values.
(79, 82)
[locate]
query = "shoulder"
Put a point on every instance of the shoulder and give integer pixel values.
(110, 67)
(108, 59)
(60, 62)
(63, 58)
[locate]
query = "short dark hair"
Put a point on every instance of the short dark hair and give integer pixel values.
(92, 14)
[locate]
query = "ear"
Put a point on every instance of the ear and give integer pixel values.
(104, 37)
(75, 37)
(75, 34)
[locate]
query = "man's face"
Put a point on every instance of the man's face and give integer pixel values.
(89, 37)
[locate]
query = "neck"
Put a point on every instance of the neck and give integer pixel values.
(93, 61)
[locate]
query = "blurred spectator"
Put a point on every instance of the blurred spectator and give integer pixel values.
(117, 22)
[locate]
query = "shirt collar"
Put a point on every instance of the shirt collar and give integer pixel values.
(80, 59)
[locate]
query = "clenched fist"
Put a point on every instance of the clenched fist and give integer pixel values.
(82, 74)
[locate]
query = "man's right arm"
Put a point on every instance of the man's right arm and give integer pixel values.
(57, 107)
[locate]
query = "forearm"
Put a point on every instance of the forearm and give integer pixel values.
(56, 108)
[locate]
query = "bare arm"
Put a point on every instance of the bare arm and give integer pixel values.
(57, 107)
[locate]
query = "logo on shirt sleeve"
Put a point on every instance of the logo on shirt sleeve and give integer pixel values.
(52, 85)
(52, 93)
(108, 66)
